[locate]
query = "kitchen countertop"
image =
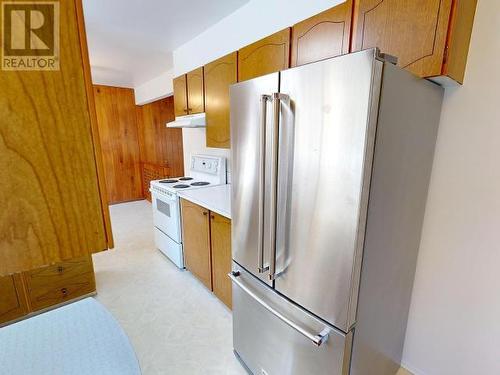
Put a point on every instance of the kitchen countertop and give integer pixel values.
(215, 198)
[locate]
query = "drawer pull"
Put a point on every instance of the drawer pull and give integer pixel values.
(317, 339)
(64, 291)
(60, 269)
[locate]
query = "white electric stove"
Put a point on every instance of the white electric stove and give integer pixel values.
(204, 171)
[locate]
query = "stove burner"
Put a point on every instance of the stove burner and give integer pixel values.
(200, 183)
(168, 181)
(181, 186)
(185, 178)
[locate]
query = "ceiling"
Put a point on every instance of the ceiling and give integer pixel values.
(131, 41)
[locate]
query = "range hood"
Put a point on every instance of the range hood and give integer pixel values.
(188, 121)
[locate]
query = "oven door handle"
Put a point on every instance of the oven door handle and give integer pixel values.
(159, 194)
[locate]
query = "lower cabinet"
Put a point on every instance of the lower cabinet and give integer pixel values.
(196, 241)
(13, 302)
(207, 248)
(28, 292)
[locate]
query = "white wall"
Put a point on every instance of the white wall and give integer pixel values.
(157, 88)
(253, 21)
(454, 325)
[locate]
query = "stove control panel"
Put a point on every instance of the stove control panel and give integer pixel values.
(205, 164)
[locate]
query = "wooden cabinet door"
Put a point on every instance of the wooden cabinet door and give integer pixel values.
(180, 96)
(196, 241)
(324, 35)
(413, 31)
(220, 230)
(218, 75)
(196, 99)
(12, 298)
(52, 208)
(265, 56)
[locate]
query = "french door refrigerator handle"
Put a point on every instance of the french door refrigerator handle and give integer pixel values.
(263, 119)
(277, 99)
(316, 338)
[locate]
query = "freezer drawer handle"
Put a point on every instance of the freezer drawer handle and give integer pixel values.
(316, 338)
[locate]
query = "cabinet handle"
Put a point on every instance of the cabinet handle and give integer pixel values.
(205, 213)
(212, 216)
(60, 269)
(185, 110)
(64, 291)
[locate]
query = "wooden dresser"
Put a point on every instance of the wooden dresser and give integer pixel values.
(27, 293)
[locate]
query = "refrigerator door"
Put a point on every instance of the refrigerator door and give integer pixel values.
(252, 136)
(326, 145)
(266, 344)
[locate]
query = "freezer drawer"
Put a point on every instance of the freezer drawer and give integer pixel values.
(269, 345)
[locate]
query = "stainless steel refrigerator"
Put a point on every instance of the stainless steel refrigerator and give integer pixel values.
(330, 170)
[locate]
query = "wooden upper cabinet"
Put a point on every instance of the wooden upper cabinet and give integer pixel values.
(196, 240)
(220, 230)
(53, 207)
(429, 37)
(265, 56)
(324, 35)
(219, 75)
(196, 99)
(180, 96)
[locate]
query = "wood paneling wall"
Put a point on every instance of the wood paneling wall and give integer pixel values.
(135, 142)
(50, 200)
(158, 144)
(119, 138)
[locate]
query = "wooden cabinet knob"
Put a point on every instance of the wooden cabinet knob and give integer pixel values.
(205, 213)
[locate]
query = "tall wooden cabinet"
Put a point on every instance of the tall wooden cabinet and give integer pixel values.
(429, 37)
(325, 35)
(206, 238)
(219, 75)
(54, 204)
(265, 56)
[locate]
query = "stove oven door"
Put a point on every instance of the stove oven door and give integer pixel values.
(166, 215)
